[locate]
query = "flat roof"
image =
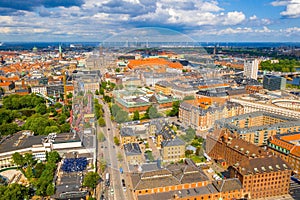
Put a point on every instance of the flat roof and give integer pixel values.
(19, 141)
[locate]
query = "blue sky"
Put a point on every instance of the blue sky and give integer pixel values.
(201, 20)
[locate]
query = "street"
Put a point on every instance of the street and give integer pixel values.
(110, 152)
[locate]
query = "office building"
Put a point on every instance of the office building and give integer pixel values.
(272, 83)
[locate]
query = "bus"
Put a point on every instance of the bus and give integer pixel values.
(107, 179)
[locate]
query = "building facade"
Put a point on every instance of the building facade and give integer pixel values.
(203, 117)
(251, 68)
(262, 177)
(173, 150)
(258, 127)
(287, 147)
(252, 106)
(221, 145)
(272, 83)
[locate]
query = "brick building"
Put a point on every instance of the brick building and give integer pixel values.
(287, 147)
(182, 181)
(219, 145)
(262, 177)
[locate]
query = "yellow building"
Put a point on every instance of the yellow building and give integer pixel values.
(163, 87)
(173, 150)
(127, 135)
(133, 153)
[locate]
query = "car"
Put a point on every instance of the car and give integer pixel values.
(108, 129)
(114, 146)
(111, 191)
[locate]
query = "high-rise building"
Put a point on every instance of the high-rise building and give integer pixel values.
(272, 83)
(251, 68)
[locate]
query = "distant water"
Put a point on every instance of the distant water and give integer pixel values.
(54, 45)
(42, 45)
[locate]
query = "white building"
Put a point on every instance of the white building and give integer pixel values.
(251, 68)
(25, 142)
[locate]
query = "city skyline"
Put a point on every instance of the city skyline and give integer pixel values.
(204, 21)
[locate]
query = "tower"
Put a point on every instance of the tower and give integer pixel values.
(251, 68)
(60, 52)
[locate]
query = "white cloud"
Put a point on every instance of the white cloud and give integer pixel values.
(6, 20)
(254, 17)
(5, 30)
(292, 7)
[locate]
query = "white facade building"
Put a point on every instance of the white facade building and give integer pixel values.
(251, 68)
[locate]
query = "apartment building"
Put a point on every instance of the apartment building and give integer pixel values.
(251, 68)
(201, 115)
(287, 147)
(262, 177)
(255, 105)
(220, 145)
(127, 135)
(258, 127)
(173, 150)
(133, 153)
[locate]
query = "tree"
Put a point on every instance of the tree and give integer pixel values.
(29, 173)
(70, 95)
(115, 109)
(91, 180)
(41, 108)
(102, 165)
(52, 129)
(58, 105)
(38, 170)
(152, 113)
(53, 157)
(101, 122)
(122, 116)
(37, 124)
(18, 159)
(175, 109)
(120, 157)
(101, 137)
(50, 190)
(118, 70)
(9, 129)
(190, 135)
(65, 128)
(97, 92)
(136, 115)
(188, 153)
(29, 159)
(62, 119)
(116, 141)
(14, 191)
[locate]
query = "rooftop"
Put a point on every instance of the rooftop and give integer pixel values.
(19, 140)
(132, 149)
(285, 123)
(261, 165)
(174, 174)
(209, 189)
(173, 142)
